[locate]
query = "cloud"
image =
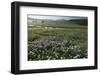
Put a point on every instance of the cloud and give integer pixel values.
(54, 17)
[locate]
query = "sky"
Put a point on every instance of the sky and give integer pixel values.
(51, 17)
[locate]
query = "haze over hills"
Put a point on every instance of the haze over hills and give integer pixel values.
(34, 21)
(54, 17)
(49, 20)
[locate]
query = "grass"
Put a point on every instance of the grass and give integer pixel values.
(58, 42)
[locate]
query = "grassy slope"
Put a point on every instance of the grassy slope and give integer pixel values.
(62, 31)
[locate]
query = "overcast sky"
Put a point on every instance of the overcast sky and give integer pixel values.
(54, 17)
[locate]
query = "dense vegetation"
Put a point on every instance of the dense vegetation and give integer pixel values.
(80, 21)
(57, 40)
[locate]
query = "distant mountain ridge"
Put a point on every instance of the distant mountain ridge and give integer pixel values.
(34, 21)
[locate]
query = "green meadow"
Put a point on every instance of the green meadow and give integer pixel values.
(57, 40)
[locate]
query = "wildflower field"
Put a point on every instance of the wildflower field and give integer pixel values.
(60, 40)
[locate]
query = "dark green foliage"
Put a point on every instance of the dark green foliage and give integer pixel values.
(80, 21)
